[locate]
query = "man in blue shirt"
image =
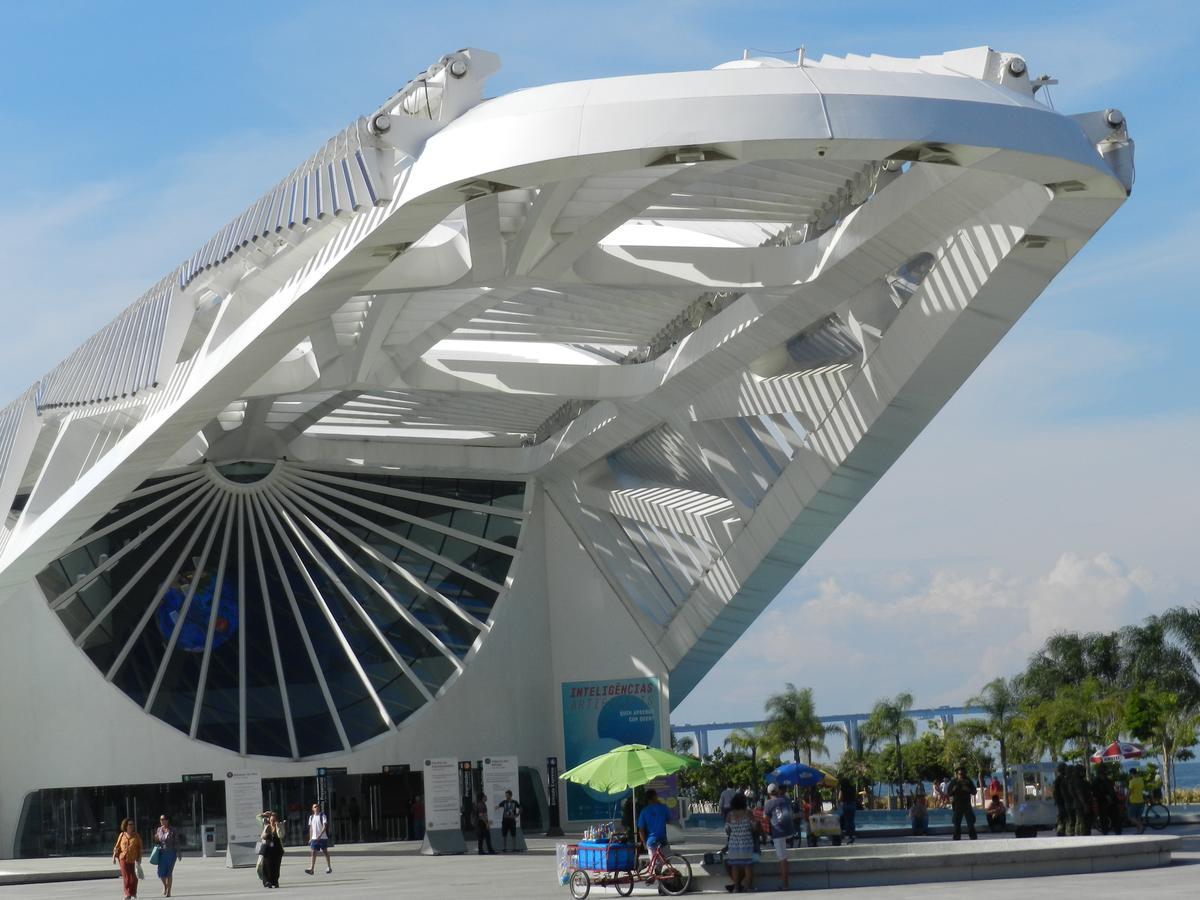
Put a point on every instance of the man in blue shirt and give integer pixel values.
(652, 822)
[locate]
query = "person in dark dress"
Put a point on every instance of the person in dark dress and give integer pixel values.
(272, 849)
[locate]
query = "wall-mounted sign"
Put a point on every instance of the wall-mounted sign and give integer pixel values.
(601, 715)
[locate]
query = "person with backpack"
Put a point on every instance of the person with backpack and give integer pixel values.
(779, 819)
(318, 839)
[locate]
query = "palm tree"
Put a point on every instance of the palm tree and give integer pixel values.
(889, 719)
(751, 741)
(1175, 666)
(685, 744)
(792, 722)
(1001, 703)
(1149, 657)
(1068, 656)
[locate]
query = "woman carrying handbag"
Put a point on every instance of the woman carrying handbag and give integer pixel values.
(127, 853)
(165, 853)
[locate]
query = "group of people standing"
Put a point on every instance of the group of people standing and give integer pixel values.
(510, 812)
(1082, 805)
(749, 825)
(127, 854)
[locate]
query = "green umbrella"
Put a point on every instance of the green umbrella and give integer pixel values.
(626, 767)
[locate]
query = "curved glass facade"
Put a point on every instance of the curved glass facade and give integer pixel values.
(283, 610)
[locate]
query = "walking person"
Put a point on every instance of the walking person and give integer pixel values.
(127, 854)
(483, 827)
(318, 839)
(726, 799)
(271, 848)
(739, 844)
(962, 791)
(165, 853)
(783, 826)
(510, 811)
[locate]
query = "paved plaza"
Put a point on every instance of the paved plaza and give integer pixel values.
(397, 870)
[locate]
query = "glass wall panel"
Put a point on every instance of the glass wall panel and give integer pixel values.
(301, 567)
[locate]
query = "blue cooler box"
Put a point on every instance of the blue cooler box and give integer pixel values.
(604, 857)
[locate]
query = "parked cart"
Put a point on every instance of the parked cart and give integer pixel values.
(619, 864)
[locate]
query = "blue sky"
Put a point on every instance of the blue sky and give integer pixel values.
(1058, 489)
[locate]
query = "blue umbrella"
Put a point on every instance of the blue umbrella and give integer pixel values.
(799, 775)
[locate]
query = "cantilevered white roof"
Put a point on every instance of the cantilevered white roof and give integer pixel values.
(706, 310)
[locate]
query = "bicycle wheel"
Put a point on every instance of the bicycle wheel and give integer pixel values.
(581, 884)
(1158, 816)
(675, 876)
(623, 882)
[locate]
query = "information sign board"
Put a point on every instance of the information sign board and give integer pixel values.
(243, 802)
(441, 794)
(500, 775)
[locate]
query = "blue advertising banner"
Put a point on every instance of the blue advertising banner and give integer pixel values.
(600, 715)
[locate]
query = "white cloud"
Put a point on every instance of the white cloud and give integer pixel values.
(940, 635)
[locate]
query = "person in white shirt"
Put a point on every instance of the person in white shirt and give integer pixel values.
(318, 839)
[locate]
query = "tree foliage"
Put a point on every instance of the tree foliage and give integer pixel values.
(889, 719)
(792, 723)
(1079, 691)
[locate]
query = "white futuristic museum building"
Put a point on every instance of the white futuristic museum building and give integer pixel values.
(491, 426)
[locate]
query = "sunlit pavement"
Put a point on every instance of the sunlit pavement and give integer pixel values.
(396, 870)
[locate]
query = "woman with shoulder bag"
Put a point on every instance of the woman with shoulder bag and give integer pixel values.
(271, 850)
(127, 853)
(165, 853)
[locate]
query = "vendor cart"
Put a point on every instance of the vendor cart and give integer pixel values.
(617, 864)
(1033, 798)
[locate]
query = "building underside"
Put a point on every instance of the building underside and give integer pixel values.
(489, 397)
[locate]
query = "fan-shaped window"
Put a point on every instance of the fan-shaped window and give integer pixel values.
(283, 610)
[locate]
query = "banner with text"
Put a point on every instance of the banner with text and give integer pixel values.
(441, 794)
(243, 802)
(667, 788)
(598, 716)
(500, 775)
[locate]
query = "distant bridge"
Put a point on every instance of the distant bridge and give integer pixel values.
(850, 722)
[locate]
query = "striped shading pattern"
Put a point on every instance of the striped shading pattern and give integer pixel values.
(343, 177)
(10, 424)
(119, 360)
(281, 610)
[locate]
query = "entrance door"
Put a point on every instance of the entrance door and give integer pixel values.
(386, 800)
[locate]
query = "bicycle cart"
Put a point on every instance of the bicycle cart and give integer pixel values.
(617, 864)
